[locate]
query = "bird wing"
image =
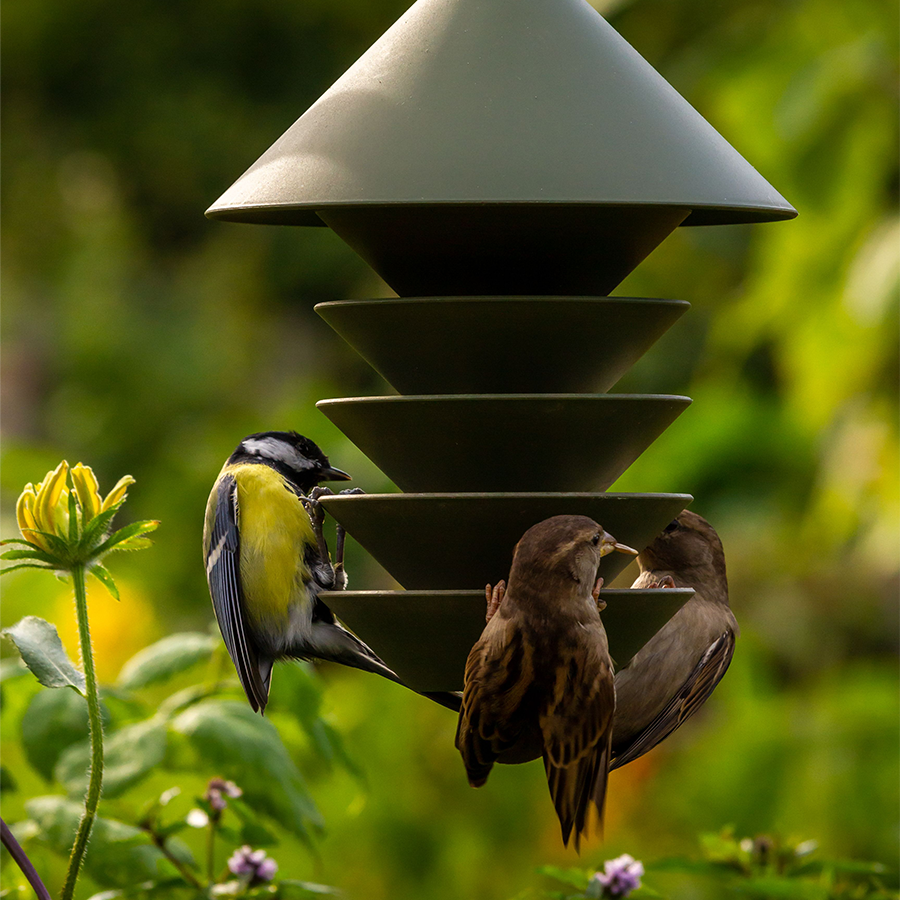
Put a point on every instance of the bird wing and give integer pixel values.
(692, 695)
(498, 681)
(576, 724)
(223, 573)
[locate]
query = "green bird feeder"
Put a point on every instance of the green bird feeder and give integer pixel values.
(503, 165)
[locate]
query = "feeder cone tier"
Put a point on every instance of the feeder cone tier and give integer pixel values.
(425, 636)
(501, 147)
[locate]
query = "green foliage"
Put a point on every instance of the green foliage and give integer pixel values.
(42, 651)
(53, 721)
(763, 867)
(240, 744)
(129, 754)
(163, 724)
(120, 853)
(165, 659)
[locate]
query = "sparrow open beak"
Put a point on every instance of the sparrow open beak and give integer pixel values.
(333, 474)
(609, 544)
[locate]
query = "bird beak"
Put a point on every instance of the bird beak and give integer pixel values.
(609, 544)
(333, 474)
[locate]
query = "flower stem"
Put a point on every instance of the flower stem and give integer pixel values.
(211, 849)
(160, 842)
(95, 784)
(24, 863)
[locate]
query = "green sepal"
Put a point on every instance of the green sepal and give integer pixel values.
(57, 544)
(41, 555)
(73, 518)
(97, 527)
(28, 566)
(134, 530)
(104, 576)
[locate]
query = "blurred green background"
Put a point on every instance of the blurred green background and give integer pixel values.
(140, 337)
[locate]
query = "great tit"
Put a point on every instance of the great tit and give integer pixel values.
(539, 681)
(677, 670)
(267, 560)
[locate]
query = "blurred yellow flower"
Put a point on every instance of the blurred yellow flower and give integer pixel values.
(113, 644)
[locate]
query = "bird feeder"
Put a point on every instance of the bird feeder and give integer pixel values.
(503, 165)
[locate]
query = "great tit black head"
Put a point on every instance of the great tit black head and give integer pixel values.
(296, 457)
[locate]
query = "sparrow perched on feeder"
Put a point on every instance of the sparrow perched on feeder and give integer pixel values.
(675, 672)
(267, 560)
(540, 676)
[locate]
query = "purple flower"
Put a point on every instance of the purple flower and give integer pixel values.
(619, 877)
(252, 865)
(217, 790)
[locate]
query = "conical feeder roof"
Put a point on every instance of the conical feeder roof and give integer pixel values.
(426, 636)
(478, 138)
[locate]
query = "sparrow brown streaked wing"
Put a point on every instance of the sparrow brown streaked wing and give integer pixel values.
(576, 725)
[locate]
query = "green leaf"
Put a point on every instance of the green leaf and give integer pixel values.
(119, 854)
(252, 832)
(11, 667)
(129, 755)
(843, 866)
(165, 659)
(171, 887)
(129, 532)
(234, 742)
(288, 890)
(38, 642)
(103, 575)
(773, 887)
(577, 878)
(300, 695)
(53, 721)
(8, 782)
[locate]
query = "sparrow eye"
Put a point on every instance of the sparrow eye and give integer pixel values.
(672, 526)
(596, 539)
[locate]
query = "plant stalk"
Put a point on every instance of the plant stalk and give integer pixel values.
(160, 843)
(211, 849)
(95, 784)
(23, 862)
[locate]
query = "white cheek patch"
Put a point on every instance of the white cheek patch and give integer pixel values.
(272, 448)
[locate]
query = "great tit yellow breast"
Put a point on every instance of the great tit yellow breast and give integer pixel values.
(274, 531)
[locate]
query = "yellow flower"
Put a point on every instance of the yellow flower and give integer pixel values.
(64, 522)
(88, 491)
(44, 509)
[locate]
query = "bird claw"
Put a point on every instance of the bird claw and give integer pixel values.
(595, 593)
(494, 597)
(667, 581)
(353, 490)
(316, 513)
(319, 491)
